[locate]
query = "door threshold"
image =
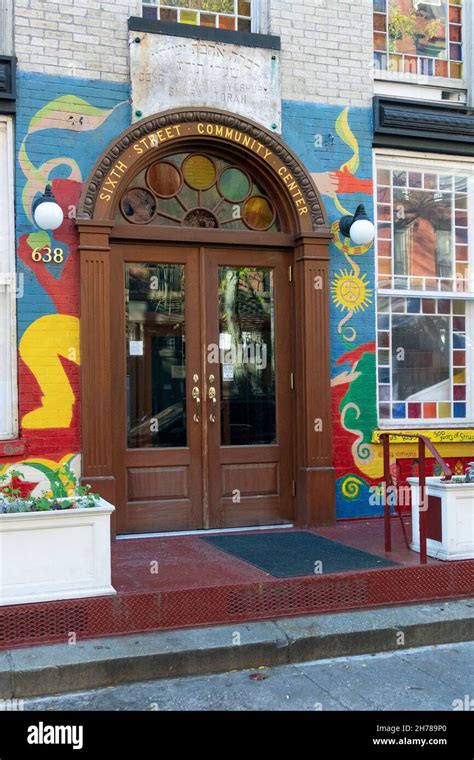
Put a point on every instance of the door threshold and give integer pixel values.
(202, 532)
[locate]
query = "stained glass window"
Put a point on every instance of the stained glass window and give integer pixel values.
(197, 190)
(235, 15)
(419, 37)
(422, 228)
(421, 353)
(425, 291)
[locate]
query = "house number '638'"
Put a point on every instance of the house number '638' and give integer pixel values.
(47, 255)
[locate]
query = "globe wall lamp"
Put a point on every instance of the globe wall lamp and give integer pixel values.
(358, 227)
(47, 213)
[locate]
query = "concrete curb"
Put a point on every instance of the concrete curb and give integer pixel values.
(62, 668)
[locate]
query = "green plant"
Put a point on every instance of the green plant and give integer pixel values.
(399, 26)
(434, 30)
(63, 482)
(411, 25)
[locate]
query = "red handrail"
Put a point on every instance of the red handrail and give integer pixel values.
(423, 443)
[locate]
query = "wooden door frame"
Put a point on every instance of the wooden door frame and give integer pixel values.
(306, 235)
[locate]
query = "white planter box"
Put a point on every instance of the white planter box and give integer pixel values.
(450, 518)
(55, 555)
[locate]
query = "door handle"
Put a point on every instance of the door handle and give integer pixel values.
(196, 394)
(213, 399)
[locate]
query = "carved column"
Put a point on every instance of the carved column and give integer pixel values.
(316, 498)
(97, 465)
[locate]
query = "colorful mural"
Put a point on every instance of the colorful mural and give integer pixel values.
(63, 124)
(335, 144)
(44, 476)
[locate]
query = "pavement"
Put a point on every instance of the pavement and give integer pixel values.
(85, 665)
(428, 678)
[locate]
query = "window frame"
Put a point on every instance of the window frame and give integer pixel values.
(6, 27)
(8, 281)
(256, 8)
(399, 84)
(383, 158)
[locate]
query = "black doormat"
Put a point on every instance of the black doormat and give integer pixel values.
(288, 555)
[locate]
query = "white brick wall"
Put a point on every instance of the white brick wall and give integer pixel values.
(82, 38)
(326, 44)
(326, 50)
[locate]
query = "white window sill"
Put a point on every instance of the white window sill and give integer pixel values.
(420, 88)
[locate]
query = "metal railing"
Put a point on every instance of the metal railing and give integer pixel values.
(423, 444)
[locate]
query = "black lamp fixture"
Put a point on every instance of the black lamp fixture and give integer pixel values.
(358, 227)
(47, 213)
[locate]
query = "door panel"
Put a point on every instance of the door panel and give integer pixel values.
(157, 430)
(202, 430)
(250, 451)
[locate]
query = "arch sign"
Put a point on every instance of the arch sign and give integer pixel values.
(130, 153)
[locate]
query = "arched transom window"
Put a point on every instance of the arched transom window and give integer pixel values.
(198, 190)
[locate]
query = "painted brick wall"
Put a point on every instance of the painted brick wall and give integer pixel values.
(76, 38)
(74, 98)
(326, 50)
(62, 126)
(335, 143)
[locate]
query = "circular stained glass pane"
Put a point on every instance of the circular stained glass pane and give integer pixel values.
(164, 179)
(234, 184)
(199, 172)
(200, 217)
(138, 205)
(258, 213)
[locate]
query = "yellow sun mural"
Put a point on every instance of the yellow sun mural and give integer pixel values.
(351, 291)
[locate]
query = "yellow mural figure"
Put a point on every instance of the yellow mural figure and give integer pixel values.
(42, 344)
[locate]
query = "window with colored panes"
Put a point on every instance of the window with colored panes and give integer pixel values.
(234, 15)
(425, 303)
(419, 37)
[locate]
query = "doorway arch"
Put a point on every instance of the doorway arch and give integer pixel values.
(302, 237)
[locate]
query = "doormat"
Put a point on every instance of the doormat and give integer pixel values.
(288, 555)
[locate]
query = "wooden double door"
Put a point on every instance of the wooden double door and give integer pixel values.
(202, 387)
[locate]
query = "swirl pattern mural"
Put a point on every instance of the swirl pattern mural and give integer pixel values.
(58, 142)
(341, 166)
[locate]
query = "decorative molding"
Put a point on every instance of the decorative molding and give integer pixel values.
(151, 124)
(246, 39)
(435, 124)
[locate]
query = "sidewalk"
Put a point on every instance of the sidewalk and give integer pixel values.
(62, 668)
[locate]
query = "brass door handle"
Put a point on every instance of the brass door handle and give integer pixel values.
(196, 394)
(213, 399)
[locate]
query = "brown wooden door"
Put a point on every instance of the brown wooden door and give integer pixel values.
(248, 393)
(202, 395)
(157, 422)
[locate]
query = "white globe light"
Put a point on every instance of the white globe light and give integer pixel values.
(362, 232)
(48, 215)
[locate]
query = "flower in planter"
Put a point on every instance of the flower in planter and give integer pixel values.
(12, 500)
